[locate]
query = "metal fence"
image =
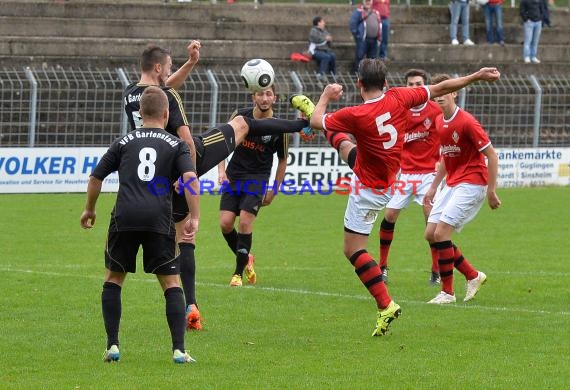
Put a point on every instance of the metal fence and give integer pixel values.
(56, 106)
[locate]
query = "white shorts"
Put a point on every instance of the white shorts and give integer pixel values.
(458, 205)
(363, 207)
(410, 187)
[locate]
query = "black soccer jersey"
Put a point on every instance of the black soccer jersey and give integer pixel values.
(253, 158)
(148, 161)
(131, 100)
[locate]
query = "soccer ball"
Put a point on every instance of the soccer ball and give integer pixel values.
(257, 74)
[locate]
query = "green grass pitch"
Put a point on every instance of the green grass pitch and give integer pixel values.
(308, 321)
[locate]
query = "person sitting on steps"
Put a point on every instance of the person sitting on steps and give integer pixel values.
(320, 48)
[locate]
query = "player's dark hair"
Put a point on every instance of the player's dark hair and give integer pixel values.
(317, 20)
(153, 103)
(372, 73)
(153, 55)
(415, 73)
(438, 78)
(272, 88)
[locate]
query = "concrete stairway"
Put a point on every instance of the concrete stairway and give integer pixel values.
(100, 32)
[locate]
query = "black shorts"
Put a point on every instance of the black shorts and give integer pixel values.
(241, 196)
(159, 252)
(211, 148)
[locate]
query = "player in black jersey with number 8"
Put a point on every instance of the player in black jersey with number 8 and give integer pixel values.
(142, 217)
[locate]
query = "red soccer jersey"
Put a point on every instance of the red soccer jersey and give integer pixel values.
(421, 141)
(378, 126)
(462, 140)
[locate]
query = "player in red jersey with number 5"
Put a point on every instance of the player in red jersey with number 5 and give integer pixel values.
(464, 146)
(420, 153)
(378, 126)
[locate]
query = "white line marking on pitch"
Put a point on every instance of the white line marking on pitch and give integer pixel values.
(306, 292)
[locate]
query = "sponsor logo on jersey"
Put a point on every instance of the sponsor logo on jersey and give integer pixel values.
(450, 150)
(413, 136)
(249, 144)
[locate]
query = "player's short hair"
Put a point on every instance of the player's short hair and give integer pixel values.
(317, 20)
(438, 78)
(153, 103)
(415, 73)
(372, 73)
(153, 55)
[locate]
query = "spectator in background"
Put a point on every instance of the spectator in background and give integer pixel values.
(459, 10)
(546, 18)
(366, 27)
(320, 48)
(494, 9)
(383, 8)
(532, 15)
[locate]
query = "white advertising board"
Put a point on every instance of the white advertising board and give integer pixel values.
(41, 170)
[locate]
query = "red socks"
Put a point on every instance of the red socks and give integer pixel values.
(370, 275)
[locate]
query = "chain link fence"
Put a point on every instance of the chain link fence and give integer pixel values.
(70, 107)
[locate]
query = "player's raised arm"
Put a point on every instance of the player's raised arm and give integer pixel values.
(332, 92)
(452, 85)
(177, 79)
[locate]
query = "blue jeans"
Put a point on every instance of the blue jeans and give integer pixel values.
(459, 10)
(366, 48)
(385, 36)
(326, 61)
(531, 37)
(497, 11)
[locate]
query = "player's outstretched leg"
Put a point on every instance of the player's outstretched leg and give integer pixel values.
(303, 104)
(269, 126)
(306, 106)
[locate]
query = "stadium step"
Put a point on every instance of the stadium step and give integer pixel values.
(147, 29)
(79, 33)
